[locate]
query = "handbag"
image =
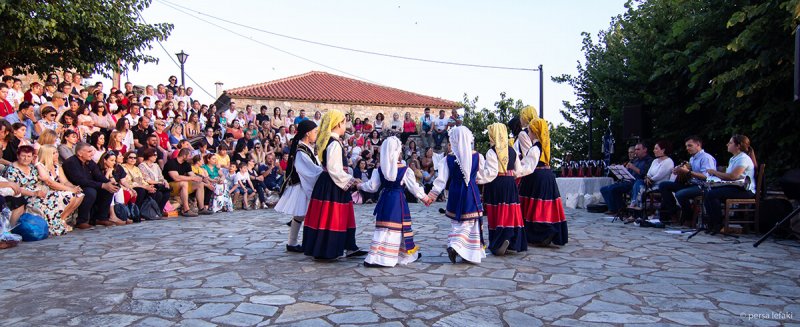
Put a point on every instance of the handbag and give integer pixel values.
(121, 211)
(150, 209)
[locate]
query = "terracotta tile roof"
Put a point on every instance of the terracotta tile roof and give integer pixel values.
(318, 86)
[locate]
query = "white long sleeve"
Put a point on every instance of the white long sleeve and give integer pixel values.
(535, 154)
(373, 184)
(661, 171)
(441, 179)
(523, 142)
(527, 165)
(335, 167)
(488, 168)
(307, 171)
(410, 182)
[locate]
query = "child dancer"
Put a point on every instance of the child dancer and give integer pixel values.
(542, 210)
(302, 172)
(501, 199)
(330, 224)
(393, 240)
(464, 199)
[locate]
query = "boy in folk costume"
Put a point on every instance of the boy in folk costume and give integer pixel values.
(393, 240)
(545, 222)
(501, 199)
(464, 200)
(330, 224)
(302, 172)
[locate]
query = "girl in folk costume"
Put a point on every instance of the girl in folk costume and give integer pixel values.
(542, 210)
(464, 201)
(393, 240)
(302, 172)
(520, 128)
(330, 225)
(501, 199)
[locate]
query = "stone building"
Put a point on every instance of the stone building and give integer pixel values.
(320, 91)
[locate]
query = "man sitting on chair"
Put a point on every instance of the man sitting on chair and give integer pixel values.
(638, 167)
(671, 192)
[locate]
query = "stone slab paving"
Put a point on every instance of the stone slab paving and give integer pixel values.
(231, 269)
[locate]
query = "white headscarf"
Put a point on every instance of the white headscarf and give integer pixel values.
(390, 153)
(461, 144)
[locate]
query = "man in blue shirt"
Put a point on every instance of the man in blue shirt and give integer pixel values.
(300, 118)
(25, 116)
(672, 192)
(612, 194)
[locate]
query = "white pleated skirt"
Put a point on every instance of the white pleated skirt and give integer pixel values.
(465, 238)
(388, 249)
(294, 201)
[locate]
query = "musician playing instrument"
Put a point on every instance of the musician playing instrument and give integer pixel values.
(740, 168)
(673, 193)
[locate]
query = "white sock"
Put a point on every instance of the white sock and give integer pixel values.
(294, 230)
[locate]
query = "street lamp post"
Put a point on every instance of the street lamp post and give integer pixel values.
(182, 59)
(589, 110)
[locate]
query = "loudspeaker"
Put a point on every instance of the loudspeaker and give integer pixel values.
(635, 123)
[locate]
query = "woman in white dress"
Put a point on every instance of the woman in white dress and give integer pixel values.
(302, 171)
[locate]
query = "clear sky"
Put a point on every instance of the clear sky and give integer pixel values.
(499, 33)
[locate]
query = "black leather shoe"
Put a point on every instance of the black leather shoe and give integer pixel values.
(451, 253)
(357, 253)
(373, 265)
(294, 248)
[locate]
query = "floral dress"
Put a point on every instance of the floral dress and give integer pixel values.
(51, 206)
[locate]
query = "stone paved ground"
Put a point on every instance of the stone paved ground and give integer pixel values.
(231, 269)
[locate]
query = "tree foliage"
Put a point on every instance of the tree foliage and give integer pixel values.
(90, 36)
(478, 120)
(706, 67)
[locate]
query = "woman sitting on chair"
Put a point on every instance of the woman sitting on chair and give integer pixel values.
(740, 167)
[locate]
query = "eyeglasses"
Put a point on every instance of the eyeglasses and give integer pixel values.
(132, 157)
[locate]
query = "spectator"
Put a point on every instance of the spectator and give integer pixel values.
(317, 117)
(198, 170)
(425, 134)
(173, 84)
(212, 141)
(439, 129)
(223, 159)
(85, 122)
(222, 197)
(273, 175)
(240, 154)
(409, 128)
(241, 183)
(5, 137)
(69, 121)
(374, 140)
(411, 149)
(230, 115)
(163, 137)
(112, 170)
(98, 190)
(98, 141)
(396, 126)
(25, 116)
(124, 128)
(141, 132)
(219, 129)
(176, 133)
(101, 116)
(277, 120)
(145, 188)
(133, 114)
(192, 127)
(183, 182)
(115, 143)
(151, 172)
(67, 148)
(379, 123)
(48, 121)
(235, 129)
(6, 108)
(14, 141)
(455, 119)
(288, 121)
(262, 116)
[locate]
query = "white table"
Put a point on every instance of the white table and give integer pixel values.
(577, 187)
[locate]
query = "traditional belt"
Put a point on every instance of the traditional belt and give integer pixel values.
(507, 173)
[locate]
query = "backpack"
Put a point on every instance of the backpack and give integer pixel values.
(150, 210)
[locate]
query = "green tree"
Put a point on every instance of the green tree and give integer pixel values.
(90, 36)
(478, 120)
(706, 67)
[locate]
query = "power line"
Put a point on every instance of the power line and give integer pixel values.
(178, 65)
(350, 49)
(267, 45)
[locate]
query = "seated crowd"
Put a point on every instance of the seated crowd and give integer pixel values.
(677, 185)
(74, 154)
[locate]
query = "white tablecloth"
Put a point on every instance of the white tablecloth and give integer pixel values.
(573, 189)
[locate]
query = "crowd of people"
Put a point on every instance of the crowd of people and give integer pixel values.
(107, 149)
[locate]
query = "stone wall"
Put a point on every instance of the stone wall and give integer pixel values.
(360, 111)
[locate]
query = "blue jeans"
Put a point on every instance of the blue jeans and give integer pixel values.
(682, 194)
(438, 138)
(713, 199)
(612, 194)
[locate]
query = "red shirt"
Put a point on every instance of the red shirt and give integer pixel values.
(163, 140)
(409, 127)
(283, 164)
(6, 108)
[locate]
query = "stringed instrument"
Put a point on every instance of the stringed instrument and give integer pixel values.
(684, 178)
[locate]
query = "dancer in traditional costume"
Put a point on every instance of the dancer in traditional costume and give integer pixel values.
(330, 224)
(542, 210)
(302, 172)
(393, 240)
(519, 126)
(464, 199)
(500, 196)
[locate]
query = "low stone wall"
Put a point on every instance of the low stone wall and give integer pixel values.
(360, 111)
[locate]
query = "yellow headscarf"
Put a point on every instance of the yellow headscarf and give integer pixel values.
(527, 115)
(329, 120)
(540, 129)
(498, 134)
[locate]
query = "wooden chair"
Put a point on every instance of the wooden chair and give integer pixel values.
(732, 206)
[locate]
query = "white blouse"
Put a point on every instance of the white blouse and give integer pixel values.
(409, 181)
(307, 170)
(491, 164)
(335, 167)
(660, 170)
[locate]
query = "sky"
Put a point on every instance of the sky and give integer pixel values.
(523, 34)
